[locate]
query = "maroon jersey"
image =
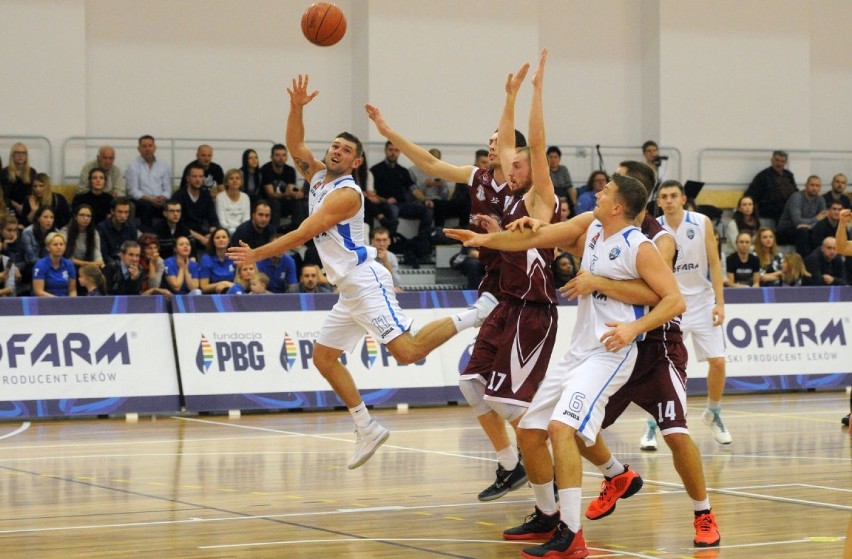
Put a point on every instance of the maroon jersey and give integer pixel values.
(526, 275)
(488, 198)
(670, 331)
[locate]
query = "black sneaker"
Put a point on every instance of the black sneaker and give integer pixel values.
(537, 526)
(506, 481)
(845, 420)
(564, 544)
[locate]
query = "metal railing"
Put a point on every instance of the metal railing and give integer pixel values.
(39, 150)
(734, 168)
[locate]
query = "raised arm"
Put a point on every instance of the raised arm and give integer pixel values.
(542, 196)
(843, 245)
(563, 235)
(424, 160)
(306, 165)
(506, 130)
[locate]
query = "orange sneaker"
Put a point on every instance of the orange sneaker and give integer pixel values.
(706, 530)
(622, 486)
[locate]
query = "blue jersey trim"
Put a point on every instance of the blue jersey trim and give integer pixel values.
(387, 302)
(359, 250)
(588, 415)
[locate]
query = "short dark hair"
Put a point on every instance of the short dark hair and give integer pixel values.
(641, 172)
(195, 165)
(173, 202)
(520, 139)
(780, 153)
(480, 153)
(277, 147)
(554, 149)
(632, 193)
(378, 230)
(648, 144)
(127, 245)
(146, 137)
(119, 201)
(260, 203)
(670, 183)
(359, 147)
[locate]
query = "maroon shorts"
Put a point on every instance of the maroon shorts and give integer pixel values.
(657, 385)
(513, 349)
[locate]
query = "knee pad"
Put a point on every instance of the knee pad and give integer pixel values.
(474, 392)
(509, 412)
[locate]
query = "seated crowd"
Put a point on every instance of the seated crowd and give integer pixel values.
(132, 233)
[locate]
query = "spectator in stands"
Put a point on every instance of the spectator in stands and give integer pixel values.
(461, 192)
(182, 272)
(745, 219)
(564, 269)
(92, 280)
(766, 250)
(467, 263)
(95, 196)
(801, 212)
(434, 193)
(198, 211)
(827, 226)
(793, 271)
(771, 188)
(11, 237)
(256, 231)
(309, 281)
(743, 266)
(560, 176)
(825, 265)
(41, 194)
(149, 182)
(564, 209)
(393, 184)
(587, 200)
(33, 242)
(9, 273)
(217, 270)
(152, 265)
(242, 279)
(54, 275)
(17, 178)
(116, 229)
(105, 160)
(258, 283)
(380, 239)
(251, 175)
(233, 207)
(171, 227)
(125, 275)
(281, 271)
(279, 188)
(375, 208)
(837, 192)
(214, 177)
(82, 239)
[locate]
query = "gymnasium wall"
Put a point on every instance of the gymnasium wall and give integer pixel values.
(691, 74)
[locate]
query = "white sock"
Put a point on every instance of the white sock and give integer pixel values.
(570, 501)
(361, 415)
(714, 405)
(699, 506)
(544, 499)
(612, 468)
(464, 319)
(508, 458)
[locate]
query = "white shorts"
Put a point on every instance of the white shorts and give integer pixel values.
(577, 389)
(708, 340)
(367, 303)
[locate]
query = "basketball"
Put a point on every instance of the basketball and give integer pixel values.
(323, 24)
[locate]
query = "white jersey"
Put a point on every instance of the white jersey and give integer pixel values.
(342, 247)
(614, 258)
(692, 271)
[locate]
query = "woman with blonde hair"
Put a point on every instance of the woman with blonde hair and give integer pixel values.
(793, 271)
(54, 275)
(17, 178)
(242, 279)
(766, 250)
(234, 207)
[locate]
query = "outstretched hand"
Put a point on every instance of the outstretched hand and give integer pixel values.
(299, 95)
(845, 216)
(538, 76)
(466, 236)
(376, 116)
(526, 222)
(514, 81)
(242, 254)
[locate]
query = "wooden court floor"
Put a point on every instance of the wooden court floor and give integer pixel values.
(276, 485)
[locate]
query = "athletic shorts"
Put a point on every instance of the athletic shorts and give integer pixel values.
(576, 391)
(708, 340)
(512, 351)
(657, 385)
(367, 303)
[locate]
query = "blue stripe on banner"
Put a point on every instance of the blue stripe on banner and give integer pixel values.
(218, 303)
(768, 295)
(29, 306)
(179, 303)
(609, 380)
(387, 302)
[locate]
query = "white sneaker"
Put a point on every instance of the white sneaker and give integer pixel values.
(484, 305)
(714, 421)
(649, 437)
(368, 440)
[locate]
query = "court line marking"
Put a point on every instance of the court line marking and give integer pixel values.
(24, 426)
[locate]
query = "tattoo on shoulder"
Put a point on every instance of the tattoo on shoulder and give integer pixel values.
(302, 165)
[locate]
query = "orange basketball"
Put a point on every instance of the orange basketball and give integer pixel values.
(323, 24)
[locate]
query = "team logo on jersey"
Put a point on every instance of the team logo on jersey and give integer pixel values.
(594, 240)
(690, 233)
(614, 253)
(288, 353)
(204, 357)
(369, 351)
(480, 193)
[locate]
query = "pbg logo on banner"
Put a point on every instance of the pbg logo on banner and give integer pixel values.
(373, 352)
(64, 350)
(230, 352)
